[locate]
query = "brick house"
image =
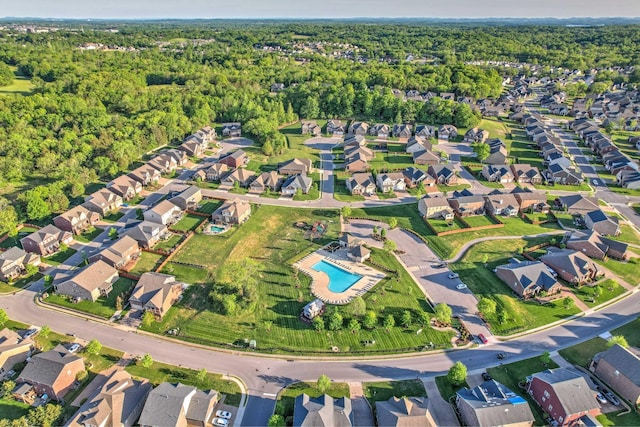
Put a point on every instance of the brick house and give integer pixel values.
(528, 278)
(92, 282)
(156, 293)
(76, 220)
(235, 160)
(118, 254)
(619, 368)
(103, 202)
(46, 241)
(572, 266)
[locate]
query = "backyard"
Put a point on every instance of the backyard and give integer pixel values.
(188, 222)
(147, 262)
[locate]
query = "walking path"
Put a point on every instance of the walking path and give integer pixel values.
(444, 414)
(362, 412)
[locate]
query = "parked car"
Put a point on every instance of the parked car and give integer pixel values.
(223, 414)
(441, 265)
(221, 422)
(600, 398)
(486, 376)
(75, 347)
(454, 276)
(483, 339)
(461, 286)
(612, 398)
(30, 333)
(501, 356)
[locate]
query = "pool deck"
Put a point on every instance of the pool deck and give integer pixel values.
(320, 280)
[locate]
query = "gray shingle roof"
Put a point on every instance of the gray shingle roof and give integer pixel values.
(494, 404)
(323, 411)
(626, 361)
(572, 389)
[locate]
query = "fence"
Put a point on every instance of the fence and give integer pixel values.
(175, 251)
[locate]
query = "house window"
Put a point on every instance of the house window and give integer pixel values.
(550, 407)
(546, 394)
(544, 399)
(560, 419)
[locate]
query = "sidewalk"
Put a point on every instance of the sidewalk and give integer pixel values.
(362, 413)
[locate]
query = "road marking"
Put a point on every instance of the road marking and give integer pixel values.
(270, 394)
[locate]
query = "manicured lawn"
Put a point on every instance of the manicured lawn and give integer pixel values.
(631, 332)
(479, 220)
(381, 391)
(239, 190)
(169, 243)
(161, 372)
(523, 151)
(581, 354)
(628, 271)
(59, 257)
(540, 217)
(103, 307)
(89, 235)
(484, 283)
(608, 290)
(208, 184)
(209, 206)
(21, 86)
(513, 374)
(612, 419)
(187, 274)
(146, 262)
(314, 191)
(385, 196)
(51, 340)
(271, 239)
(11, 409)
(395, 159)
(452, 188)
(441, 225)
(286, 400)
(446, 389)
(496, 128)
(560, 187)
(113, 217)
(188, 222)
(21, 283)
(627, 235)
(340, 191)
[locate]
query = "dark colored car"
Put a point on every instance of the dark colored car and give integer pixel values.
(486, 376)
(501, 356)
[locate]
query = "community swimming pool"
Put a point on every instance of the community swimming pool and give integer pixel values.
(339, 279)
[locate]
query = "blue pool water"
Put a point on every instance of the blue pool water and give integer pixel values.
(216, 229)
(339, 279)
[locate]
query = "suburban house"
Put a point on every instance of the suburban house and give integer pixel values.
(559, 174)
(241, 175)
(416, 143)
(103, 202)
(270, 180)
(597, 220)
(619, 368)
(76, 220)
(356, 161)
(179, 156)
(90, 283)
(145, 175)
(497, 152)
(294, 183)
(476, 135)
(125, 187)
(165, 213)
(493, 404)
(435, 207)
(192, 148)
(14, 261)
(526, 174)
(596, 246)
(235, 159)
(359, 253)
(164, 163)
(572, 266)
(119, 253)
(443, 174)
(323, 411)
(216, 171)
(232, 129)
(578, 204)
(528, 278)
(118, 402)
(52, 372)
(447, 132)
(564, 394)
(361, 184)
(405, 411)
(414, 177)
(628, 179)
(402, 132)
(391, 181)
(13, 349)
(147, 233)
(425, 157)
(296, 167)
(232, 212)
(156, 293)
(184, 405)
(425, 132)
(501, 204)
(188, 199)
(468, 205)
(380, 130)
(497, 173)
(358, 128)
(336, 127)
(310, 127)
(46, 241)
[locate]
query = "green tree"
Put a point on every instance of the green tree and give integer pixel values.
(268, 324)
(389, 246)
(82, 375)
(567, 302)
(383, 233)
(618, 339)
(442, 313)
(4, 318)
(324, 382)
(276, 420)
(487, 306)
(8, 218)
(147, 319)
(389, 321)
(146, 361)
(318, 323)
(357, 307)
(354, 325)
(44, 331)
(406, 319)
(545, 358)
(113, 233)
(482, 150)
(457, 373)
(370, 320)
(335, 321)
(393, 222)
(346, 211)
(201, 375)
(45, 416)
(6, 388)
(465, 117)
(93, 347)
(425, 318)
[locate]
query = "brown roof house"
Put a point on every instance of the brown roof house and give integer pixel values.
(402, 132)
(310, 127)
(323, 411)
(76, 220)
(266, 180)
(156, 292)
(564, 394)
(52, 372)
(532, 201)
(414, 176)
(92, 282)
(13, 349)
(118, 402)
(216, 172)
(147, 233)
(164, 163)
(468, 205)
(232, 212)
(502, 204)
(145, 175)
(165, 212)
(358, 128)
(578, 204)
(619, 368)
(425, 157)
(125, 187)
(597, 220)
(232, 129)
(435, 207)
(493, 404)
(235, 160)
(572, 266)
(241, 175)
(103, 202)
(361, 184)
(359, 253)
(46, 241)
(405, 412)
(296, 166)
(336, 127)
(192, 148)
(118, 254)
(416, 143)
(356, 161)
(188, 199)
(178, 405)
(14, 261)
(526, 174)
(596, 246)
(528, 278)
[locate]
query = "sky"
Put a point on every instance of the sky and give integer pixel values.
(185, 9)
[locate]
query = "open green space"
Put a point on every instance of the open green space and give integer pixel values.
(161, 372)
(102, 307)
(188, 222)
(21, 283)
(581, 354)
(523, 151)
(384, 390)
(89, 235)
(60, 256)
(514, 374)
(146, 262)
(621, 139)
(599, 294)
(21, 86)
(560, 187)
(186, 274)
(495, 126)
(627, 235)
(394, 159)
(513, 315)
(286, 399)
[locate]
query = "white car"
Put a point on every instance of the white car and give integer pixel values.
(221, 422)
(454, 276)
(461, 286)
(75, 347)
(30, 333)
(223, 414)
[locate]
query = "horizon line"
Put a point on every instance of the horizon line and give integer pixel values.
(308, 18)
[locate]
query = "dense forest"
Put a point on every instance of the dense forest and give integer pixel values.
(92, 113)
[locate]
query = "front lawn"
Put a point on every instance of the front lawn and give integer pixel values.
(383, 391)
(161, 372)
(452, 188)
(113, 217)
(60, 256)
(188, 222)
(147, 262)
(581, 354)
(103, 307)
(599, 294)
(627, 235)
(313, 194)
(21, 283)
(446, 389)
(628, 271)
(89, 235)
(560, 187)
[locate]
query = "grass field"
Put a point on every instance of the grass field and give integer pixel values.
(21, 283)
(169, 243)
(271, 239)
(381, 391)
(146, 262)
(609, 289)
(89, 235)
(21, 86)
(441, 225)
(395, 159)
(209, 206)
(161, 372)
(484, 283)
(627, 235)
(286, 400)
(581, 354)
(11, 409)
(103, 307)
(446, 389)
(188, 222)
(628, 271)
(479, 220)
(496, 128)
(59, 257)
